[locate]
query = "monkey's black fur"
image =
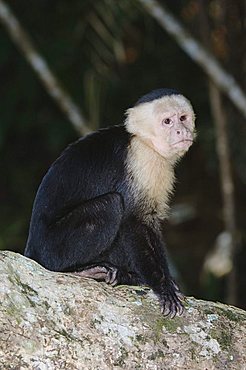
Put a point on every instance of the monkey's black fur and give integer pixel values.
(156, 94)
(84, 217)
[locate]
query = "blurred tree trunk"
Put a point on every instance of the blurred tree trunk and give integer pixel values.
(219, 81)
(223, 149)
(23, 41)
(197, 52)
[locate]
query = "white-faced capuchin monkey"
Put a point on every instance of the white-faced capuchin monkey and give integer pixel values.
(99, 209)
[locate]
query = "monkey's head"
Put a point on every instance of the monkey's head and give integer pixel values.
(164, 119)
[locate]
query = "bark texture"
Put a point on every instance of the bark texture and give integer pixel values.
(59, 321)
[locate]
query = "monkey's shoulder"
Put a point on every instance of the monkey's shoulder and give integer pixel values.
(97, 148)
(89, 167)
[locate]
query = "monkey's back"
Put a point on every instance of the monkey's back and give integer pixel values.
(90, 167)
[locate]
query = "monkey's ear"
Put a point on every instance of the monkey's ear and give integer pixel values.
(128, 112)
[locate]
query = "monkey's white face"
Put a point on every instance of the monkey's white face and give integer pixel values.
(166, 124)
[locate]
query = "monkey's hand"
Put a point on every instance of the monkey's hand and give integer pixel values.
(171, 299)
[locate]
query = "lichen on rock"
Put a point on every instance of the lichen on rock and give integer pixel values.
(52, 320)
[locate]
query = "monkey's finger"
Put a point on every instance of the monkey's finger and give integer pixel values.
(180, 309)
(165, 309)
(173, 309)
(180, 296)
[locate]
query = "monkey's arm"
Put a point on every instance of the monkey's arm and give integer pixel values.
(163, 283)
(76, 236)
(151, 266)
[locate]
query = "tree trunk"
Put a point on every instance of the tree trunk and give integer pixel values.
(227, 185)
(223, 150)
(196, 51)
(39, 65)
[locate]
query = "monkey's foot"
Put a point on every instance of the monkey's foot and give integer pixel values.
(171, 300)
(100, 273)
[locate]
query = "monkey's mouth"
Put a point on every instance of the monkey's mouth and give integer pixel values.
(183, 142)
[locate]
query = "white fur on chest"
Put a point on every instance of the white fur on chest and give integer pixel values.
(151, 179)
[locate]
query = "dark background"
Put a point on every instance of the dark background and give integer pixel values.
(107, 54)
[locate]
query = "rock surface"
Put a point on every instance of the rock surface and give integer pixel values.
(59, 321)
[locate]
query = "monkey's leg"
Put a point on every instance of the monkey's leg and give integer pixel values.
(77, 238)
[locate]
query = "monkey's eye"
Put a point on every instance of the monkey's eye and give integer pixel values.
(167, 121)
(183, 118)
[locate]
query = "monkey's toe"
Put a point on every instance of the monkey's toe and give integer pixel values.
(111, 277)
